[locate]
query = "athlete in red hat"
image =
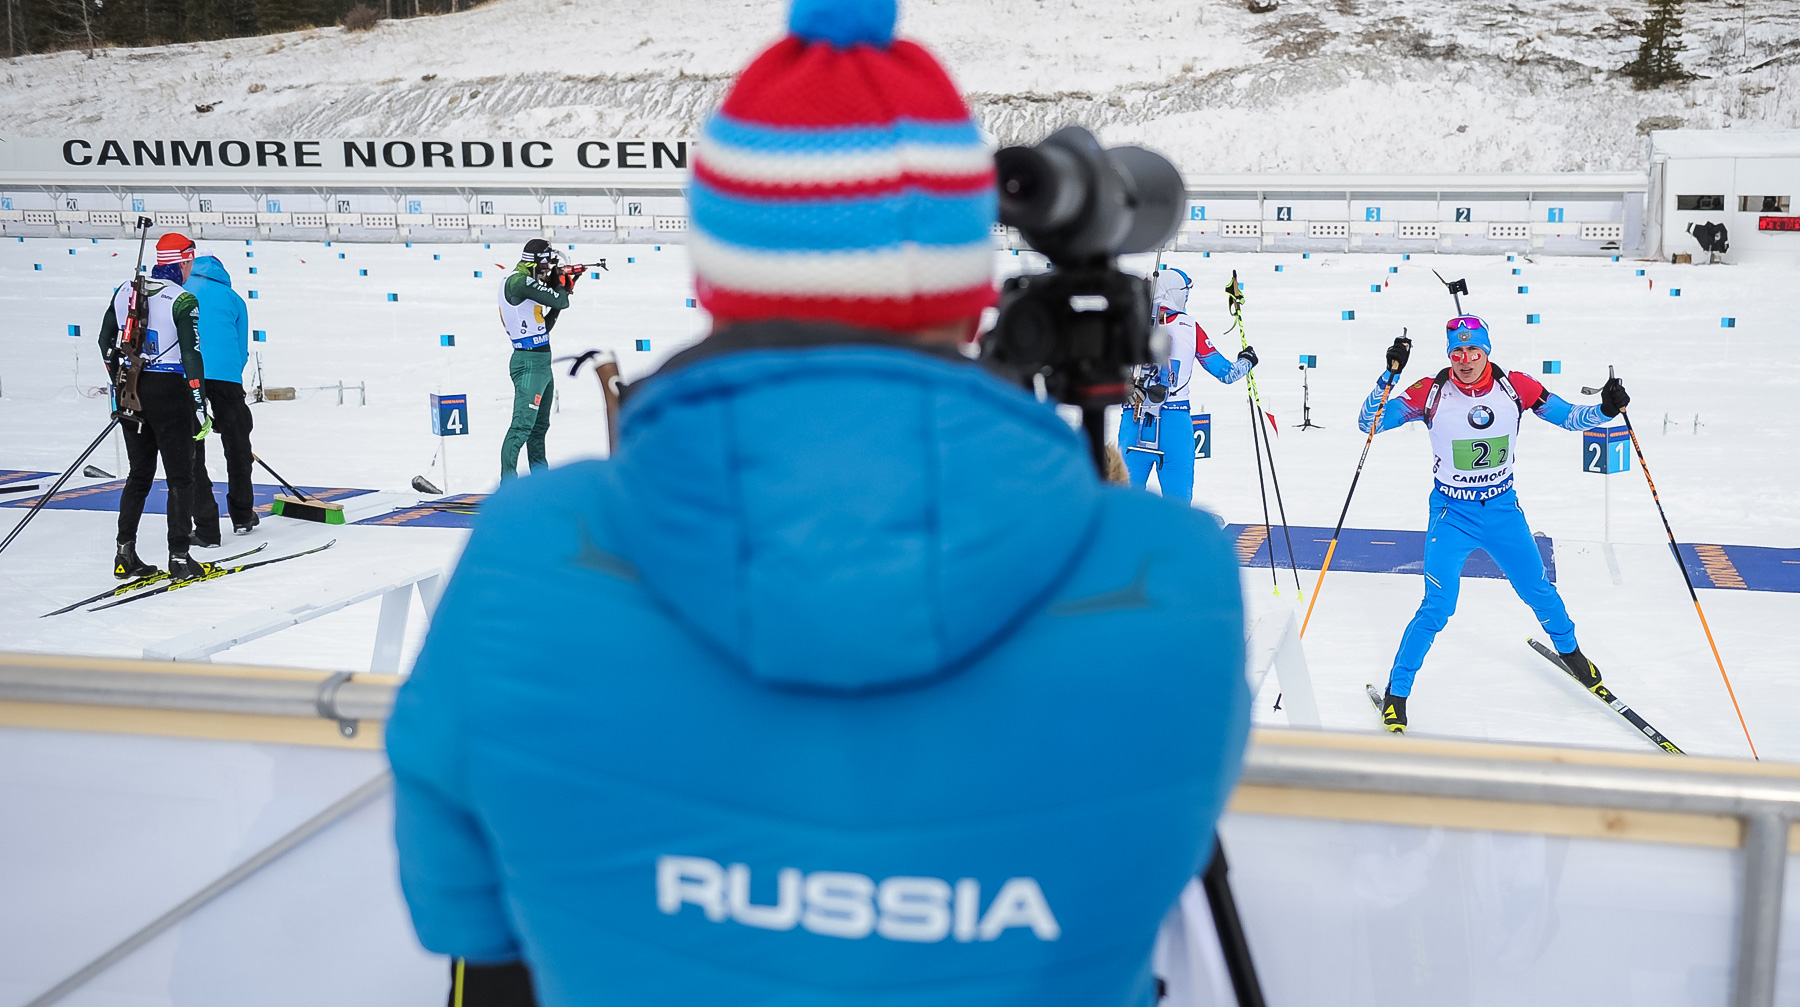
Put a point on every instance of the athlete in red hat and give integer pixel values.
(173, 413)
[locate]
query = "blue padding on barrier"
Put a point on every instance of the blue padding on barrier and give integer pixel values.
(1742, 567)
(1363, 550)
(105, 496)
(431, 517)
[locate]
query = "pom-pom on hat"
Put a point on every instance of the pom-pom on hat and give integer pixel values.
(173, 247)
(842, 179)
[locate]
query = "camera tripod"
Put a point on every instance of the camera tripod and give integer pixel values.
(1306, 422)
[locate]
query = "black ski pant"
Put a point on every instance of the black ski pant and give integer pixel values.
(164, 428)
(233, 423)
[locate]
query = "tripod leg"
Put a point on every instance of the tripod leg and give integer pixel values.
(1231, 930)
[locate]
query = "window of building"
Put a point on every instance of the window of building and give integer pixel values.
(1700, 203)
(1762, 204)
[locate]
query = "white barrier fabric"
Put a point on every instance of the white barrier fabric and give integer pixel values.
(1352, 914)
(104, 832)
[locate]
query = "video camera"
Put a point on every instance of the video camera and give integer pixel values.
(1084, 325)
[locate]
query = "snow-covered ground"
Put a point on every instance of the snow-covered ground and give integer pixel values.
(1729, 482)
(1317, 85)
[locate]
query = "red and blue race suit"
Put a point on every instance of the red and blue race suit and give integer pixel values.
(1474, 430)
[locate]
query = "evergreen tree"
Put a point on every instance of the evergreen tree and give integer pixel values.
(1658, 59)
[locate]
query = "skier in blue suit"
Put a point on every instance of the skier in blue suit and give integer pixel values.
(1156, 434)
(1473, 409)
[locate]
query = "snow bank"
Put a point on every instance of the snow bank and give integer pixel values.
(1318, 85)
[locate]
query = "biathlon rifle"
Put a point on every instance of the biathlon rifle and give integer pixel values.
(563, 276)
(1456, 287)
(128, 354)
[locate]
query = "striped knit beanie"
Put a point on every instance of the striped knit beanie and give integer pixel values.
(174, 247)
(842, 179)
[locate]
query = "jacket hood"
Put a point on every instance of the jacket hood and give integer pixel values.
(209, 267)
(846, 517)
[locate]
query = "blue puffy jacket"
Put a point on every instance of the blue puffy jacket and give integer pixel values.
(224, 321)
(845, 681)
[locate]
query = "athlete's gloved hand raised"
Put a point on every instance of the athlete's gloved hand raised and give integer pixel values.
(1398, 354)
(1248, 353)
(1613, 398)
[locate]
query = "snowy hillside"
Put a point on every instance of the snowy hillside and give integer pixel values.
(1317, 85)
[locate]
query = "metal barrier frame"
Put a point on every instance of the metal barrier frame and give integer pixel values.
(1368, 777)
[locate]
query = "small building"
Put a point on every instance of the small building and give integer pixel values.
(1747, 180)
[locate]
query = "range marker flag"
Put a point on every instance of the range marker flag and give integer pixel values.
(1272, 424)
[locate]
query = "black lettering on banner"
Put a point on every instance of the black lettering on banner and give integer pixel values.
(225, 153)
(626, 153)
(304, 149)
(364, 153)
(110, 151)
(581, 154)
(69, 152)
(180, 154)
(436, 149)
(266, 149)
(525, 154)
(677, 156)
(468, 154)
(141, 151)
(506, 154)
(387, 153)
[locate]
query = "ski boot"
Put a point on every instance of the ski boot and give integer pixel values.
(1393, 713)
(1586, 672)
(200, 541)
(247, 525)
(127, 565)
(184, 567)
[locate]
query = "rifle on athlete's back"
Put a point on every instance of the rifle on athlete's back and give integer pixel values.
(127, 360)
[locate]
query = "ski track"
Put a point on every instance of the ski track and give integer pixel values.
(1722, 483)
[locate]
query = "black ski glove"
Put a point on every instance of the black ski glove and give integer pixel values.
(1248, 353)
(1613, 398)
(1398, 354)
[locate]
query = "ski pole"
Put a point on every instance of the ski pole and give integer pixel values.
(56, 486)
(1261, 487)
(1374, 425)
(1235, 298)
(1675, 550)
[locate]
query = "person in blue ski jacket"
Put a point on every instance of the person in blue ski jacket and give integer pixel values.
(1144, 421)
(225, 319)
(810, 694)
(1473, 410)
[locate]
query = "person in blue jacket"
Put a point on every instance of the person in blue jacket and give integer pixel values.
(226, 321)
(760, 712)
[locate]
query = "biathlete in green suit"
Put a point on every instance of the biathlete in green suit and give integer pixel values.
(532, 297)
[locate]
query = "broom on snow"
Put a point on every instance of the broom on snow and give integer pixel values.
(299, 505)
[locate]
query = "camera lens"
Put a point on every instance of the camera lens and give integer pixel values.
(1041, 188)
(1154, 195)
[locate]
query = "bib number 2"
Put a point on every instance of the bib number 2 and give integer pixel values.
(1484, 453)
